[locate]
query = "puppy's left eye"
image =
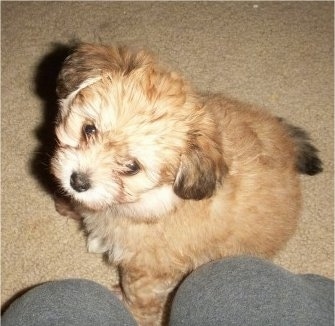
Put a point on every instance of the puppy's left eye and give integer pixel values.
(89, 130)
(132, 168)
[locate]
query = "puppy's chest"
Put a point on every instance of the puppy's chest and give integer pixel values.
(122, 239)
(123, 244)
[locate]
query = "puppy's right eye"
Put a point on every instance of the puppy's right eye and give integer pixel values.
(89, 130)
(132, 167)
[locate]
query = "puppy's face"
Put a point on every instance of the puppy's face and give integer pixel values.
(130, 134)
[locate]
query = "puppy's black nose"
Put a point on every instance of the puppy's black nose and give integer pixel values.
(79, 182)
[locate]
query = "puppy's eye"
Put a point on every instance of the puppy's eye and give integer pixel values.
(132, 168)
(89, 130)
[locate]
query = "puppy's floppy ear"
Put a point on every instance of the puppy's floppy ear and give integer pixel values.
(201, 168)
(92, 60)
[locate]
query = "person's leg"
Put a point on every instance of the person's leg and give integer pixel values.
(70, 302)
(250, 291)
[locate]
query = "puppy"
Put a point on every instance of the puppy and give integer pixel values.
(167, 179)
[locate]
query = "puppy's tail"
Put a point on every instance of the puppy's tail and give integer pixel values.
(307, 161)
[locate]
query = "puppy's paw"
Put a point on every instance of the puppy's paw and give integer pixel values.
(117, 291)
(65, 208)
(96, 245)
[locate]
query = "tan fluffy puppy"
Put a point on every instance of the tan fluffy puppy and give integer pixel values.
(167, 179)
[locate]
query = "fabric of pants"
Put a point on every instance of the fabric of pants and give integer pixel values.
(250, 291)
(232, 291)
(71, 302)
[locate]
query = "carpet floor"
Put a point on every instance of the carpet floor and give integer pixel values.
(278, 55)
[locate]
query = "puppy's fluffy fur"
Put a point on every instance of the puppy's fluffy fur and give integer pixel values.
(167, 179)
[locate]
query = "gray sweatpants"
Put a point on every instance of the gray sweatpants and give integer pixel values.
(232, 291)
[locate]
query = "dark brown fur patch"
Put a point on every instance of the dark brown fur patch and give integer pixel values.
(307, 161)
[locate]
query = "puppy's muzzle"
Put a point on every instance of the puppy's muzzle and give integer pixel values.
(80, 182)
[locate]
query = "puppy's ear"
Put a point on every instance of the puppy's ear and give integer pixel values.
(201, 168)
(88, 61)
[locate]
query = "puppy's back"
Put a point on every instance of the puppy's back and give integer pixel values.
(275, 136)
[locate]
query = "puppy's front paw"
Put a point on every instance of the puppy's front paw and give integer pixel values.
(64, 207)
(96, 245)
(117, 291)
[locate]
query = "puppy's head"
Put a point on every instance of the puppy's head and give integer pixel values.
(132, 136)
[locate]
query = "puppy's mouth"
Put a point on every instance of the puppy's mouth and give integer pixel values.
(93, 195)
(94, 182)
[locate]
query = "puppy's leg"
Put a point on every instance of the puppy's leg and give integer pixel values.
(96, 245)
(65, 207)
(146, 295)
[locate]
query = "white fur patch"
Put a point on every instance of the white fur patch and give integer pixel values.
(152, 204)
(96, 245)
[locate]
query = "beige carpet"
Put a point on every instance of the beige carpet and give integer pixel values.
(275, 54)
